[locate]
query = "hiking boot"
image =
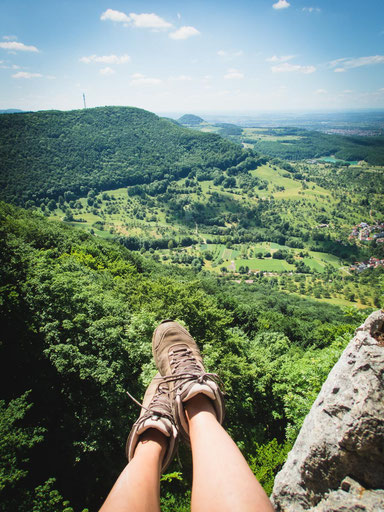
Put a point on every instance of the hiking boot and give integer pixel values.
(156, 413)
(179, 361)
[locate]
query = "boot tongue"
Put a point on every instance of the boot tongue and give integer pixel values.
(194, 390)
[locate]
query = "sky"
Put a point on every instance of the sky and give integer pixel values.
(194, 56)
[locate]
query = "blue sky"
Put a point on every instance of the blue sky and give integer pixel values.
(196, 56)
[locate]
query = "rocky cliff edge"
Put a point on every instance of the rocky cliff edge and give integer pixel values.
(337, 461)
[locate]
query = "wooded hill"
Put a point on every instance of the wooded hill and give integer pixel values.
(45, 154)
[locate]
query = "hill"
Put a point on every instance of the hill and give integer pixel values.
(45, 154)
(11, 111)
(190, 120)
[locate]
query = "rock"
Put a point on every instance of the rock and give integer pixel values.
(337, 461)
(351, 497)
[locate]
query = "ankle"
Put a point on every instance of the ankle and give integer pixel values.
(199, 404)
(152, 442)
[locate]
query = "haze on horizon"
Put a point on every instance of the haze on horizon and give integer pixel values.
(248, 56)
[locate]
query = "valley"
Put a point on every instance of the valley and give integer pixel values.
(229, 230)
(113, 219)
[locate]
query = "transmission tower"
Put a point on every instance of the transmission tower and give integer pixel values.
(85, 105)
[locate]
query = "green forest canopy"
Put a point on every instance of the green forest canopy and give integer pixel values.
(77, 318)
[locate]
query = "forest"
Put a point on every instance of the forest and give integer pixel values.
(78, 314)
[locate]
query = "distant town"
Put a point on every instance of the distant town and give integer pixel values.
(359, 266)
(367, 233)
(358, 131)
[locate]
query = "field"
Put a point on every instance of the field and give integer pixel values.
(260, 134)
(292, 189)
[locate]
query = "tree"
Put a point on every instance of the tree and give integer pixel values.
(68, 217)
(51, 205)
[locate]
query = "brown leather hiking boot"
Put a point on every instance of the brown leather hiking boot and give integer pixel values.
(156, 413)
(179, 361)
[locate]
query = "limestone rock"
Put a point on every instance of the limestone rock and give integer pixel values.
(351, 497)
(340, 447)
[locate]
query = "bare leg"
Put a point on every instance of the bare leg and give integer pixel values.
(222, 479)
(138, 487)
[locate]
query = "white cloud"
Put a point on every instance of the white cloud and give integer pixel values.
(10, 38)
(3, 65)
(138, 79)
(107, 71)
(230, 55)
(285, 67)
(18, 47)
(281, 4)
(321, 91)
(311, 9)
(25, 74)
(184, 33)
(144, 20)
(341, 65)
(336, 62)
(233, 74)
(347, 91)
(112, 15)
(149, 20)
(282, 58)
(106, 59)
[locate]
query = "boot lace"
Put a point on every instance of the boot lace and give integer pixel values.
(159, 407)
(186, 368)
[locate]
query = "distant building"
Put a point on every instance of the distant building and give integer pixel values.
(363, 265)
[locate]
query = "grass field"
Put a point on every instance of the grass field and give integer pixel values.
(223, 256)
(293, 188)
(336, 301)
(265, 265)
(261, 134)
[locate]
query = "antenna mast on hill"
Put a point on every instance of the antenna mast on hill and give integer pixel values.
(85, 105)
